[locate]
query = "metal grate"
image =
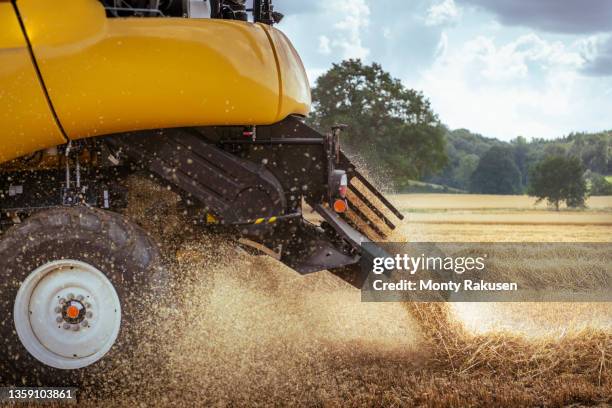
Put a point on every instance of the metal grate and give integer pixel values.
(123, 8)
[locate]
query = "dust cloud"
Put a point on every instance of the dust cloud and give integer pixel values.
(240, 327)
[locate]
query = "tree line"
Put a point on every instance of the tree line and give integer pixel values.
(395, 131)
(484, 165)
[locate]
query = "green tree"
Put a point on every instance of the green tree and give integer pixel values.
(553, 149)
(521, 150)
(558, 179)
(388, 124)
(599, 185)
(496, 173)
(594, 150)
(466, 166)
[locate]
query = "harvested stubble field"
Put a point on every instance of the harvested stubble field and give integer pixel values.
(243, 330)
(487, 218)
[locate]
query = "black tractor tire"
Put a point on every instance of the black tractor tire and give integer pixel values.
(122, 251)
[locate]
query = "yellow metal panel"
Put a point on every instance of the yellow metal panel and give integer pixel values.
(294, 88)
(112, 75)
(26, 121)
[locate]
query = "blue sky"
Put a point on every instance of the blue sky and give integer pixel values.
(502, 68)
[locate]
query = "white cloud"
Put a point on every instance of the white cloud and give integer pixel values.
(510, 62)
(596, 50)
(445, 12)
(442, 47)
(334, 29)
(590, 45)
(527, 86)
(354, 18)
(324, 45)
(314, 73)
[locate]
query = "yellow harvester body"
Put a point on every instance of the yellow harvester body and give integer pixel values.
(69, 72)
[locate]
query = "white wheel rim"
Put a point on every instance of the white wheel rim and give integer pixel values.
(48, 328)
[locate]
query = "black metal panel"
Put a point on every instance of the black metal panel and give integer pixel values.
(28, 191)
(235, 190)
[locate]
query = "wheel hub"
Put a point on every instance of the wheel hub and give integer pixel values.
(67, 314)
(73, 311)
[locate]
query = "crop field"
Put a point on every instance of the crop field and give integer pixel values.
(454, 202)
(486, 218)
(244, 330)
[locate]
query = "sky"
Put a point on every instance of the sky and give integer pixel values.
(501, 68)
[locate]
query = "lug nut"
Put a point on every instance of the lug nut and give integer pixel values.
(80, 297)
(66, 326)
(59, 319)
(71, 296)
(62, 301)
(84, 323)
(75, 327)
(58, 310)
(89, 315)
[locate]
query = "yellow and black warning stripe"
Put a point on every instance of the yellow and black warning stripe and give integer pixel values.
(274, 219)
(211, 219)
(269, 220)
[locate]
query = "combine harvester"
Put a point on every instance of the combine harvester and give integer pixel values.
(211, 105)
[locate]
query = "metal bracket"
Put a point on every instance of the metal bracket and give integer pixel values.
(73, 193)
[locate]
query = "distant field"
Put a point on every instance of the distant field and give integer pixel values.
(411, 202)
(491, 218)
